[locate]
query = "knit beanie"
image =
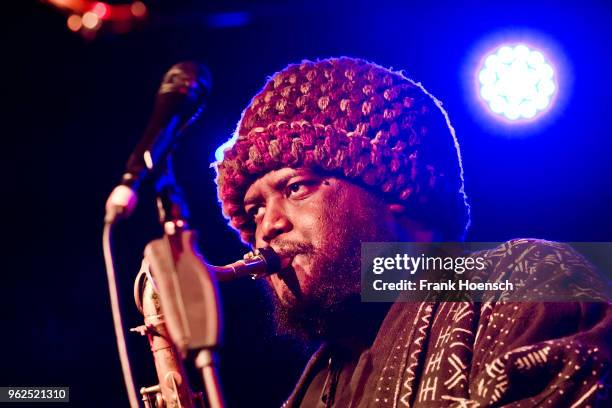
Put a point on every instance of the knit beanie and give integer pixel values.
(356, 120)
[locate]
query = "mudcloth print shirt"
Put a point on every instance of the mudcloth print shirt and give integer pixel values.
(486, 354)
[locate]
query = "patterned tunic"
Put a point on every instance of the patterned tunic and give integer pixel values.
(463, 354)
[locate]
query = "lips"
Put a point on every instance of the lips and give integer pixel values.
(286, 257)
(286, 263)
(290, 257)
(287, 270)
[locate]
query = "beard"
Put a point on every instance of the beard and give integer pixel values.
(330, 307)
(316, 312)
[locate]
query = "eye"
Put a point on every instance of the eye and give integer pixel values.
(295, 187)
(254, 212)
(301, 188)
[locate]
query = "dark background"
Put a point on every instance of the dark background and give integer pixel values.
(74, 109)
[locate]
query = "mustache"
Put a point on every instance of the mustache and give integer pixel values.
(288, 248)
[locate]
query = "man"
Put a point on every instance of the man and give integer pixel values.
(342, 151)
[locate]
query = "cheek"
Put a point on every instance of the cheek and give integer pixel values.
(308, 222)
(319, 218)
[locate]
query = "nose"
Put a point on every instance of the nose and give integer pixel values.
(275, 222)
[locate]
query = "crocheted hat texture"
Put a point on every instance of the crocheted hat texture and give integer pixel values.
(359, 121)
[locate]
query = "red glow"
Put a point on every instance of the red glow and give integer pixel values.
(87, 16)
(138, 9)
(101, 10)
(74, 23)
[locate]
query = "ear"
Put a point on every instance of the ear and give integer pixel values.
(409, 229)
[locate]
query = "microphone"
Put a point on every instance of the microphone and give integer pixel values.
(180, 99)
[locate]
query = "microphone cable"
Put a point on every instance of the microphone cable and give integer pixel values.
(117, 321)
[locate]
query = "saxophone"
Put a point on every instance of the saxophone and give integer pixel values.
(173, 390)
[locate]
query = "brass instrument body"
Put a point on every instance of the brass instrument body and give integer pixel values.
(173, 389)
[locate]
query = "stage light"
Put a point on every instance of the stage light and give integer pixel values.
(74, 22)
(219, 152)
(101, 10)
(88, 16)
(228, 19)
(516, 82)
(91, 20)
(138, 9)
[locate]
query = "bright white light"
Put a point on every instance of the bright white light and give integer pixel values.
(516, 82)
(221, 149)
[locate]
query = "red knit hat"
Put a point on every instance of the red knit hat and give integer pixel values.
(357, 120)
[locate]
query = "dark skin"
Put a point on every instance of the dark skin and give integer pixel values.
(316, 223)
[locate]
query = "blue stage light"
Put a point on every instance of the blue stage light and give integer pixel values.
(517, 82)
(221, 149)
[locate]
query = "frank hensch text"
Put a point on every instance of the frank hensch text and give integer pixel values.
(412, 264)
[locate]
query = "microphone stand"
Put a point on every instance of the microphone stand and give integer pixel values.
(187, 290)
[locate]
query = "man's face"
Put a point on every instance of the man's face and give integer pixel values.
(316, 223)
